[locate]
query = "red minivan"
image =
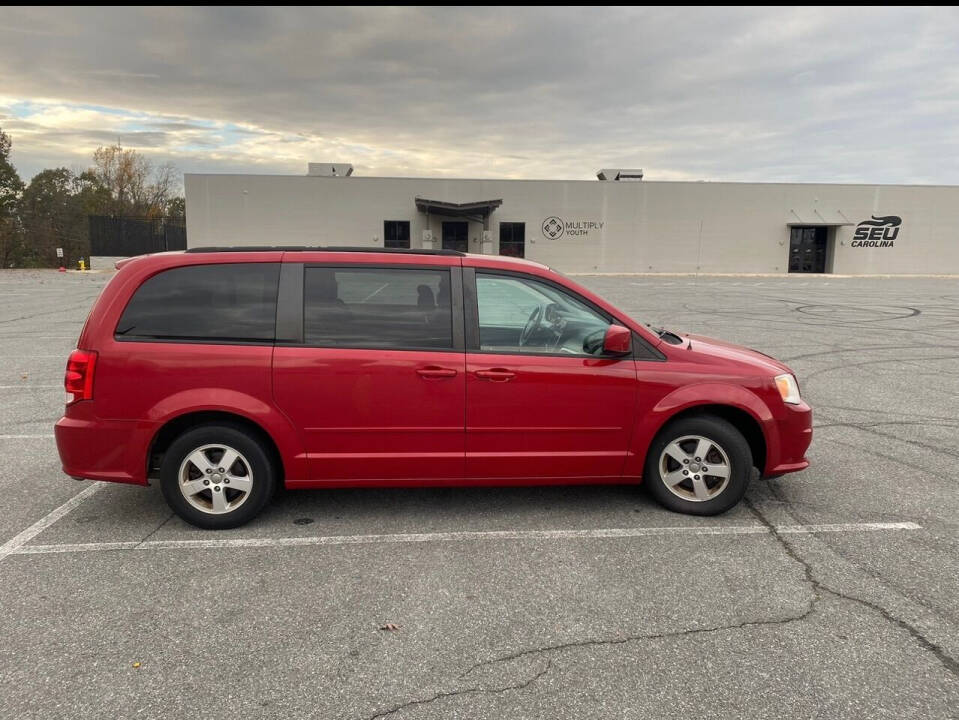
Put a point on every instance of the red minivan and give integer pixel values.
(224, 372)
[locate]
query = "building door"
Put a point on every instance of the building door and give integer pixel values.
(455, 236)
(807, 250)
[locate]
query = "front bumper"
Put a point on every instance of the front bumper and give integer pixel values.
(793, 430)
(95, 449)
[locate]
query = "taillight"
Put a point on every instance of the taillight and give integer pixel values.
(79, 377)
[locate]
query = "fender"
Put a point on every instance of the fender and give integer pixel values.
(224, 400)
(652, 419)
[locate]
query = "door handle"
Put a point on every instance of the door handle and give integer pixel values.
(436, 372)
(496, 374)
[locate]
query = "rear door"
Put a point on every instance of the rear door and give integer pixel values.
(371, 368)
(542, 400)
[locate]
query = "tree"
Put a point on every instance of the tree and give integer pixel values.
(11, 186)
(176, 208)
(53, 210)
(134, 184)
(53, 216)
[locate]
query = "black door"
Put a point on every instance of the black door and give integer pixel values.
(455, 236)
(807, 250)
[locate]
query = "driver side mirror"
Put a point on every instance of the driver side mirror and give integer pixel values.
(617, 341)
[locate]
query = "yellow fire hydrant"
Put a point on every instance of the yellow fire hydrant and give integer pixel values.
(83, 265)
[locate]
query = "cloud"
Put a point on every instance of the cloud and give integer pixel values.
(805, 94)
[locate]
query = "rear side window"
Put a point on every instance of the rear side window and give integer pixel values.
(233, 302)
(388, 308)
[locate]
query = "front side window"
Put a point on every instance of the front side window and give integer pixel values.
(387, 308)
(230, 302)
(517, 315)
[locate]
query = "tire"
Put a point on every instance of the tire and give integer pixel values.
(198, 492)
(675, 477)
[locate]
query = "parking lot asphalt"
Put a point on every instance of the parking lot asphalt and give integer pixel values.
(829, 593)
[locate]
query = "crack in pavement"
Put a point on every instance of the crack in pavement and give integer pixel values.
(580, 644)
(817, 589)
(947, 661)
(649, 636)
(476, 690)
(776, 489)
(155, 530)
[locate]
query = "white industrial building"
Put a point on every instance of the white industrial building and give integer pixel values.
(618, 223)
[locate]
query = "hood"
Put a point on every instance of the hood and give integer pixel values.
(729, 352)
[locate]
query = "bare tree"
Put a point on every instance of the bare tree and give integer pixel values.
(136, 185)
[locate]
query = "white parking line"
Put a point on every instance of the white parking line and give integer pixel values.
(14, 544)
(598, 533)
(25, 437)
(28, 385)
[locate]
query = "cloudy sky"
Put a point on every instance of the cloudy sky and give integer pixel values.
(829, 95)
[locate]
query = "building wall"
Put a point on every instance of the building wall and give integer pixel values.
(636, 226)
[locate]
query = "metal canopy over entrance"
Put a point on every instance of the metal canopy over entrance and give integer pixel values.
(478, 211)
(815, 217)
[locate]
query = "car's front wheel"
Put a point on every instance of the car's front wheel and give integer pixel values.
(217, 476)
(699, 465)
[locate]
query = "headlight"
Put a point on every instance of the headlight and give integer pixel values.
(788, 388)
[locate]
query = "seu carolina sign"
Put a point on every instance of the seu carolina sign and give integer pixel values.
(877, 232)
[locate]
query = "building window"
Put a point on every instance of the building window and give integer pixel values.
(396, 233)
(512, 239)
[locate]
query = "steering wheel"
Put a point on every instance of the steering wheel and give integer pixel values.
(532, 325)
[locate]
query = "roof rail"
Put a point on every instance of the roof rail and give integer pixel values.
(304, 248)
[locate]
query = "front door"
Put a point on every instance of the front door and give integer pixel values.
(455, 236)
(377, 385)
(542, 400)
(807, 250)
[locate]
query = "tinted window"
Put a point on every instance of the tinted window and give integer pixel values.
(230, 302)
(392, 308)
(525, 316)
(396, 233)
(512, 239)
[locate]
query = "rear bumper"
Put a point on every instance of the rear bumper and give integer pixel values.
(793, 429)
(96, 449)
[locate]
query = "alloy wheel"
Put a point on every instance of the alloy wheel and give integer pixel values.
(215, 479)
(694, 468)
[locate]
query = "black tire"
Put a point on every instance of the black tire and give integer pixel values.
(729, 441)
(252, 451)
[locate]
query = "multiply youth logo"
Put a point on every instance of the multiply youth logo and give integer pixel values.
(553, 227)
(878, 232)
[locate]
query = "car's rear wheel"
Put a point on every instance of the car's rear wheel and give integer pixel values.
(217, 476)
(699, 465)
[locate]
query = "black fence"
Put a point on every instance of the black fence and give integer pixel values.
(123, 236)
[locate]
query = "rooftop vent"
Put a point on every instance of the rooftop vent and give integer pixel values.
(329, 170)
(619, 174)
